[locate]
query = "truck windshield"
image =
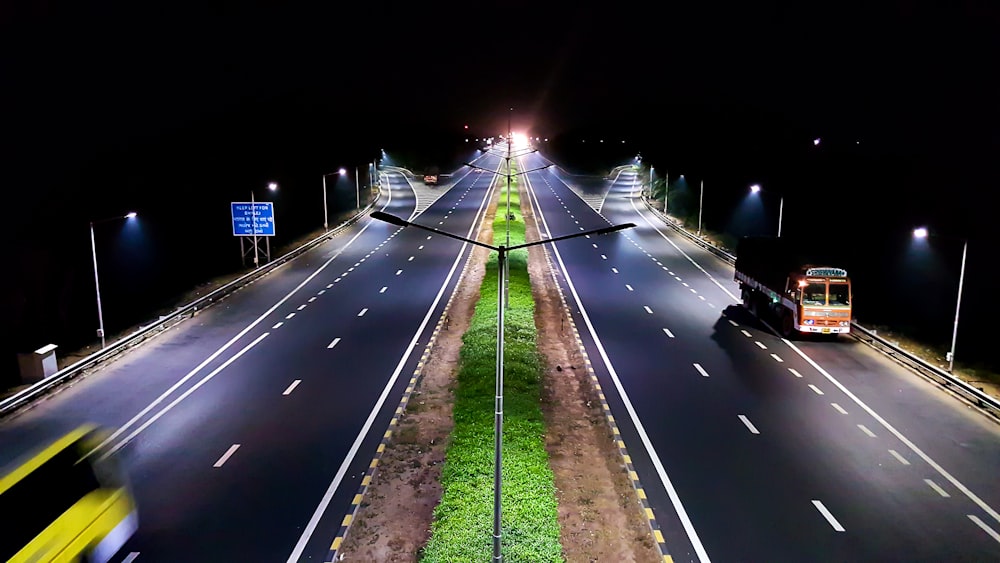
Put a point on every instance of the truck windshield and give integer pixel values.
(814, 294)
(840, 294)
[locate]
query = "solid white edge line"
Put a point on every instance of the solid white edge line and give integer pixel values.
(335, 484)
(292, 387)
(640, 429)
(184, 395)
(225, 457)
(130, 557)
(899, 436)
(746, 422)
(993, 533)
(829, 517)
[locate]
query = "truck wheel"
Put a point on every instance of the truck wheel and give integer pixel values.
(746, 296)
(787, 326)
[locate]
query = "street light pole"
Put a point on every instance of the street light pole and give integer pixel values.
(958, 306)
(357, 185)
(97, 283)
(701, 194)
(781, 210)
(326, 225)
(501, 251)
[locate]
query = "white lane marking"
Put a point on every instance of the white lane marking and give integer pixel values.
(668, 333)
(777, 358)
(604, 257)
(816, 389)
(701, 370)
(410, 259)
(677, 278)
(839, 408)
(629, 287)
(866, 430)
(640, 429)
(746, 422)
(289, 315)
(429, 237)
(938, 489)
(321, 292)
(595, 245)
(955, 482)
(399, 272)
(693, 290)
(331, 490)
(356, 264)
(712, 305)
(734, 323)
(363, 311)
(760, 345)
(795, 373)
(421, 247)
(745, 332)
(383, 289)
(615, 270)
(277, 325)
(311, 299)
(993, 533)
(333, 343)
(302, 306)
(329, 285)
(702, 297)
(901, 459)
(351, 269)
(685, 284)
(292, 387)
(338, 279)
(668, 271)
(130, 557)
(648, 310)
(829, 517)
(225, 457)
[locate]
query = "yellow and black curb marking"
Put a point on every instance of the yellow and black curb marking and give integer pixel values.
(394, 422)
(626, 458)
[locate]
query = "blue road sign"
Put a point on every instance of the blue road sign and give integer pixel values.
(253, 218)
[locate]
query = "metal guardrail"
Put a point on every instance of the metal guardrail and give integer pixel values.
(983, 400)
(29, 394)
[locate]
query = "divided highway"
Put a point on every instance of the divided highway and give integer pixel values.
(246, 430)
(751, 447)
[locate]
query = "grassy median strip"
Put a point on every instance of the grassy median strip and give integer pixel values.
(463, 520)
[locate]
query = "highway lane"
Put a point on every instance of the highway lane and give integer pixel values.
(766, 464)
(266, 409)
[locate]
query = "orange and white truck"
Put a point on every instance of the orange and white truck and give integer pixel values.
(778, 281)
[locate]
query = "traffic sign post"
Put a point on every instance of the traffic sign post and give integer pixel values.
(253, 219)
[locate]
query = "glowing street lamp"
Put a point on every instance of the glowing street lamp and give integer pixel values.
(326, 224)
(97, 284)
(922, 233)
(781, 204)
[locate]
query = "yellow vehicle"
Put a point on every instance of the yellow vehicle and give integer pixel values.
(62, 502)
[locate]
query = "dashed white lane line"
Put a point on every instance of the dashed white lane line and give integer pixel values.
(693, 290)
(777, 358)
(668, 333)
(311, 299)
(604, 256)
(829, 517)
(701, 370)
(595, 245)
(329, 285)
(760, 345)
(900, 458)
(685, 284)
(302, 306)
(333, 343)
(289, 315)
(399, 272)
(363, 311)
(746, 422)
(677, 278)
(993, 533)
(795, 373)
(410, 259)
(839, 408)
(702, 297)
(383, 289)
(745, 332)
(277, 325)
(816, 389)
(321, 292)
(292, 387)
(734, 323)
(936, 488)
(225, 457)
(337, 280)
(130, 557)
(629, 287)
(615, 270)
(866, 430)
(648, 310)
(421, 247)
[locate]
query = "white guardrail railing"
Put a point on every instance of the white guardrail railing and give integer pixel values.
(983, 400)
(40, 389)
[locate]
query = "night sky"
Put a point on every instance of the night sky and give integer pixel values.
(175, 110)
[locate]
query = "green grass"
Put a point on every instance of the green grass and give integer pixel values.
(463, 520)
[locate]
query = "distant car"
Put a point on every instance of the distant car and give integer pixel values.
(431, 179)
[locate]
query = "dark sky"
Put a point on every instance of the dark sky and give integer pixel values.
(110, 104)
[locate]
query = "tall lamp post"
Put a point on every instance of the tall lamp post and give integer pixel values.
(272, 186)
(501, 251)
(701, 195)
(326, 224)
(97, 283)
(922, 233)
(781, 204)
